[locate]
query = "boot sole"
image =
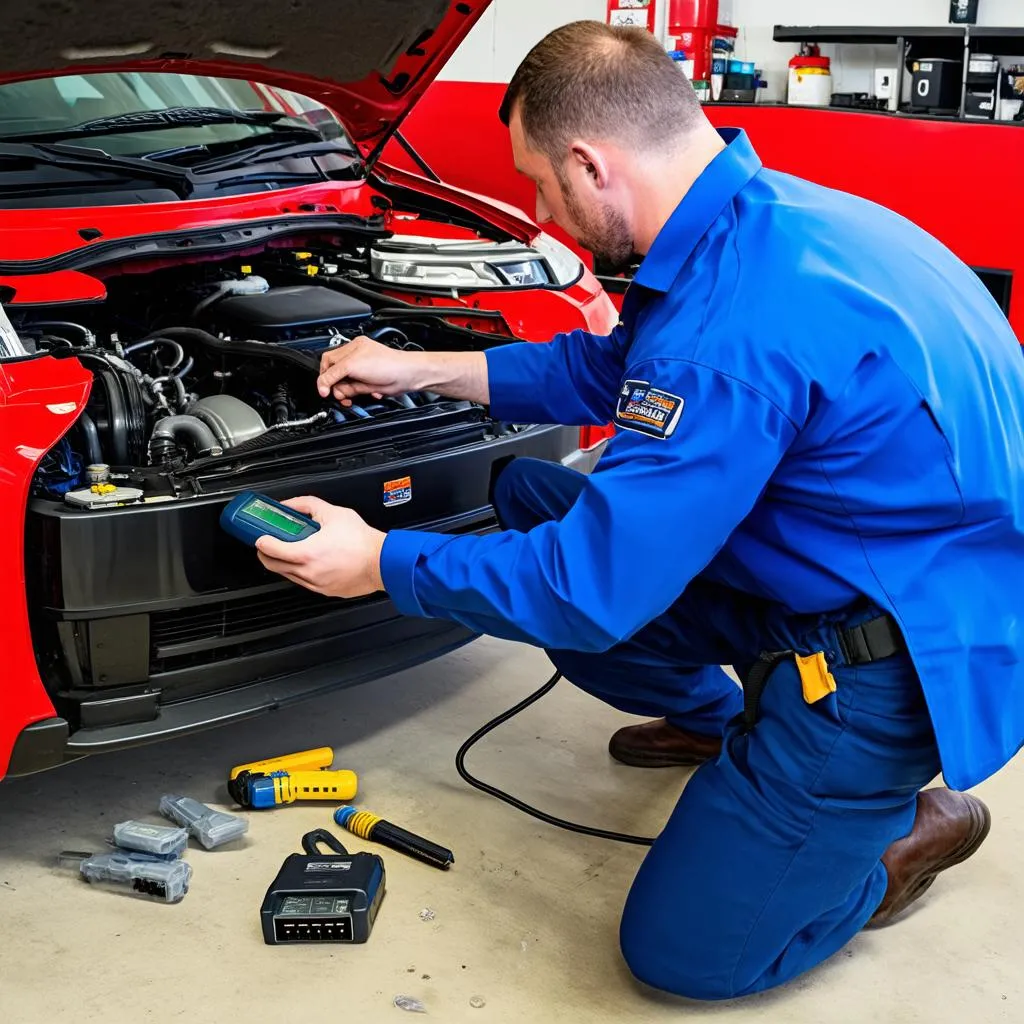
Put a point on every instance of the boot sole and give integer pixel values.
(642, 760)
(918, 886)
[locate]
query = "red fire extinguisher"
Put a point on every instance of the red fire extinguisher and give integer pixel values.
(694, 25)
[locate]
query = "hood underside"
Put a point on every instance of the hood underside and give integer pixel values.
(371, 58)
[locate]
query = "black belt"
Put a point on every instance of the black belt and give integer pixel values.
(870, 641)
(862, 644)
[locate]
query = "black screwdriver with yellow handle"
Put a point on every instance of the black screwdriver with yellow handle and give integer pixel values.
(369, 826)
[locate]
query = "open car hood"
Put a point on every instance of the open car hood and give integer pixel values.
(368, 60)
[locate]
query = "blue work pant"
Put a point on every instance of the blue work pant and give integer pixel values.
(770, 862)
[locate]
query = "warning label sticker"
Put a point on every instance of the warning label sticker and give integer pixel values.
(648, 410)
(398, 492)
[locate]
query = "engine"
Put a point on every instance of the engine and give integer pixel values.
(201, 362)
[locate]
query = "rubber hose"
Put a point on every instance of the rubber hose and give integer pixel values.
(281, 407)
(385, 332)
(189, 333)
(389, 304)
(254, 348)
(92, 439)
(87, 336)
(151, 342)
(179, 386)
(193, 429)
(220, 292)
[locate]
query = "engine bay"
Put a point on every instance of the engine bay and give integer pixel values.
(202, 368)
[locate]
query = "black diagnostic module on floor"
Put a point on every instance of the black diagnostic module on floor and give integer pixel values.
(323, 899)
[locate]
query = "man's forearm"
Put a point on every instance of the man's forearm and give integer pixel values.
(460, 375)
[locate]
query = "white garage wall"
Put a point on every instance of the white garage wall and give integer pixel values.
(508, 30)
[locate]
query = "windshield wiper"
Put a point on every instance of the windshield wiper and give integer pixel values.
(172, 117)
(94, 159)
(261, 151)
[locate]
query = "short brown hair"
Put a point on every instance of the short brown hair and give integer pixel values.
(595, 80)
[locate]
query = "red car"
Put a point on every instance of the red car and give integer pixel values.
(193, 207)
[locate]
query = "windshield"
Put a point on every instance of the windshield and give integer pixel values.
(59, 103)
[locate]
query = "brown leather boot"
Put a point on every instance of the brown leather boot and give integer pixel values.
(661, 745)
(948, 828)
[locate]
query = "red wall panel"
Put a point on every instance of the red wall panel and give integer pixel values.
(455, 128)
(960, 182)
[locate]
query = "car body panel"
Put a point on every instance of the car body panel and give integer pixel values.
(39, 401)
(45, 234)
(57, 287)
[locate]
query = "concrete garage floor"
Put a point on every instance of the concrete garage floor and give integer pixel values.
(526, 920)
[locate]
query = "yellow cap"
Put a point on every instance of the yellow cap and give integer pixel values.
(246, 269)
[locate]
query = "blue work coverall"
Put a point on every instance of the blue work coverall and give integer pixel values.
(819, 417)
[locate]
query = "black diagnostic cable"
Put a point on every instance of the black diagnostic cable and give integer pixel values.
(460, 766)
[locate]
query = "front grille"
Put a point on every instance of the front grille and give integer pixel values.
(236, 618)
(272, 621)
(211, 633)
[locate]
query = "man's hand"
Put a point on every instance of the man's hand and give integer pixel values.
(341, 560)
(365, 367)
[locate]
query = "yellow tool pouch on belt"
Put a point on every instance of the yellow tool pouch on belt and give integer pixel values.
(817, 681)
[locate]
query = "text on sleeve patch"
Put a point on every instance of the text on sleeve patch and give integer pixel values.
(648, 410)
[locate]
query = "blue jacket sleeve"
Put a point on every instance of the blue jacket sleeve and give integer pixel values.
(652, 515)
(570, 381)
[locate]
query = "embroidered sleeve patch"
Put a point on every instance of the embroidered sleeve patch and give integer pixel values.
(648, 410)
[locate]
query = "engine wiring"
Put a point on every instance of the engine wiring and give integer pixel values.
(218, 359)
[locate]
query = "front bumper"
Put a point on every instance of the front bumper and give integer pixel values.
(156, 624)
(394, 646)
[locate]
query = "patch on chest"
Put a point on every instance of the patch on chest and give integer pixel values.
(648, 410)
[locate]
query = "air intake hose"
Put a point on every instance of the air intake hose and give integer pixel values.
(164, 444)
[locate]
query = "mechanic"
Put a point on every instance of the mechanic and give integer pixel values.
(816, 476)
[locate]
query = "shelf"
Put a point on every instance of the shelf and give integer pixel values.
(992, 38)
(877, 36)
(995, 33)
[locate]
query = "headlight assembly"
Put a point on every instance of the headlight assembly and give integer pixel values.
(433, 263)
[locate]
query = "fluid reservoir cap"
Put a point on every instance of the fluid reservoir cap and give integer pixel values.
(98, 473)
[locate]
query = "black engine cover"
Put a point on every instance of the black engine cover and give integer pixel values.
(289, 314)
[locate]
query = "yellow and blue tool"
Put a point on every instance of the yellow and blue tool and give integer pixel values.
(306, 775)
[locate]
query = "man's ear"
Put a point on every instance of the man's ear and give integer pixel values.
(589, 160)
